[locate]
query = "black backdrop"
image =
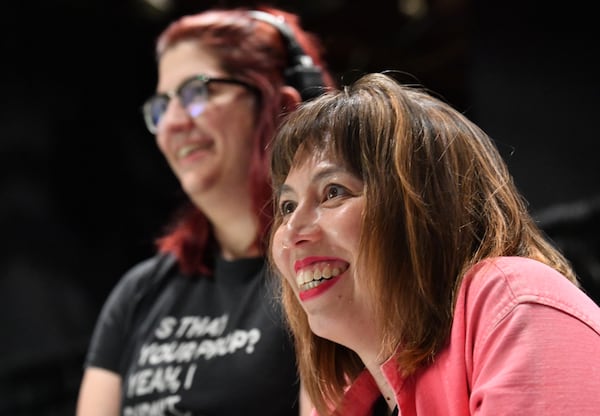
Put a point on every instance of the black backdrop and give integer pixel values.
(84, 191)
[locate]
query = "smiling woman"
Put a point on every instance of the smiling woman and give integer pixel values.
(206, 151)
(319, 262)
(196, 329)
(413, 275)
(318, 191)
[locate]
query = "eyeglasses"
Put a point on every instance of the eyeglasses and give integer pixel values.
(193, 94)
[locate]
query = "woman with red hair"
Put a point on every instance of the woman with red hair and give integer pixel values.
(196, 329)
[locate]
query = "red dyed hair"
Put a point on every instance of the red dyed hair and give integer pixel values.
(252, 51)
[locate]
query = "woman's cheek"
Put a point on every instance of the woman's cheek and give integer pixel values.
(278, 252)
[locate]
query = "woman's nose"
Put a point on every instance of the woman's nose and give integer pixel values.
(302, 226)
(175, 115)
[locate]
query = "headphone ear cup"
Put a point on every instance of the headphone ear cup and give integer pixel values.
(308, 80)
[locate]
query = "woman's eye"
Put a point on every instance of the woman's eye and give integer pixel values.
(287, 207)
(333, 191)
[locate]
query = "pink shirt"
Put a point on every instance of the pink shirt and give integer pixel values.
(524, 341)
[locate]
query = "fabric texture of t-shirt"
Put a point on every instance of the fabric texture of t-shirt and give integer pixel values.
(202, 346)
(524, 341)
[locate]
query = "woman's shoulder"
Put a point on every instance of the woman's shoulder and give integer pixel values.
(144, 275)
(504, 282)
(523, 277)
(160, 262)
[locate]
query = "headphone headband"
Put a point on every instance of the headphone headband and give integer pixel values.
(301, 72)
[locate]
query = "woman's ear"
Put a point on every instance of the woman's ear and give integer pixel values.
(290, 98)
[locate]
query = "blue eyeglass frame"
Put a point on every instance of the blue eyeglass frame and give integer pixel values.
(153, 120)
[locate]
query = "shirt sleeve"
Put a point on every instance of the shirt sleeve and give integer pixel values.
(113, 326)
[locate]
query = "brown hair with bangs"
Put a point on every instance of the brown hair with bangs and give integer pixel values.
(438, 199)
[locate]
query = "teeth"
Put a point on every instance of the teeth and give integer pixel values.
(186, 150)
(189, 148)
(310, 285)
(303, 277)
(307, 279)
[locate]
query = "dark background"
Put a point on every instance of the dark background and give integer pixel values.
(84, 190)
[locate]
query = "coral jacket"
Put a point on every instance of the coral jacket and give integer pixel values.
(524, 341)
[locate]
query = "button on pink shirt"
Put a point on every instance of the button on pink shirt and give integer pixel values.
(524, 341)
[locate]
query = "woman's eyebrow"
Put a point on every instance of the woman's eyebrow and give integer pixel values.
(328, 172)
(319, 176)
(283, 188)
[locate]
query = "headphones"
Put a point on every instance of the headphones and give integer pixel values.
(301, 72)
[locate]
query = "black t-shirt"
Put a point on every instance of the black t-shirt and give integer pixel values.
(210, 346)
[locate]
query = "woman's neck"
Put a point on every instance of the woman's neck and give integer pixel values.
(234, 222)
(238, 239)
(236, 231)
(373, 365)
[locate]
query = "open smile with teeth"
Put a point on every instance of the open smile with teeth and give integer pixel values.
(187, 149)
(312, 277)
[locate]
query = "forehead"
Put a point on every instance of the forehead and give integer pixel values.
(312, 168)
(307, 161)
(314, 157)
(184, 59)
(319, 143)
